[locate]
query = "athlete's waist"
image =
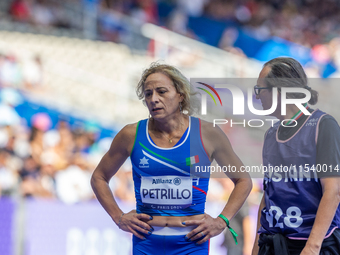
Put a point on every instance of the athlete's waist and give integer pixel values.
(172, 231)
(173, 221)
(172, 210)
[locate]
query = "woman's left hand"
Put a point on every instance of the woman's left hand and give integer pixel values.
(206, 227)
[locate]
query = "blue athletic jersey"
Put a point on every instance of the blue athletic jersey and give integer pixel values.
(292, 188)
(163, 182)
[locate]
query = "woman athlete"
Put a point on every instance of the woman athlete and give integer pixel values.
(165, 150)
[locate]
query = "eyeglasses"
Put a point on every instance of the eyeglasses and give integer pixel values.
(257, 89)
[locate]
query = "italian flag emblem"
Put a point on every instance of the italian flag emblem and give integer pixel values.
(192, 160)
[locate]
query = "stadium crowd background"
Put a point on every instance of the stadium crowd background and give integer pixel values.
(51, 155)
(248, 28)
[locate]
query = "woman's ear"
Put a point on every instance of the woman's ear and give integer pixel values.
(181, 97)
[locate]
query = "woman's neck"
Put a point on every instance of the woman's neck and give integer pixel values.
(170, 125)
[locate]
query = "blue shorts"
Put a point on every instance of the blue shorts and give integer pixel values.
(168, 245)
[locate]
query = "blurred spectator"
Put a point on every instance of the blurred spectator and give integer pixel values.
(64, 149)
(85, 139)
(61, 19)
(59, 145)
(145, 11)
(36, 143)
(24, 73)
(42, 14)
(8, 115)
(8, 175)
(178, 23)
(72, 183)
(41, 121)
(110, 24)
(33, 73)
(48, 172)
(10, 73)
(192, 8)
(20, 10)
(31, 169)
(122, 183)
(30, 178)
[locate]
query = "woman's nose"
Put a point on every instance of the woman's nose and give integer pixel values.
(154, 97)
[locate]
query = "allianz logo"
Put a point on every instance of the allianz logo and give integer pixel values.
(176, 181)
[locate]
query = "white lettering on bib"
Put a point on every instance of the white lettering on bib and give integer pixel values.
(166, 192)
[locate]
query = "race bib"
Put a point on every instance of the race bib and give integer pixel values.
(166, 192)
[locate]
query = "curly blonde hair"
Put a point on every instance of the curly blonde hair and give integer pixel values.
(181, 84)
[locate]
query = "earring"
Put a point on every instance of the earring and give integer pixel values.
(180, 107)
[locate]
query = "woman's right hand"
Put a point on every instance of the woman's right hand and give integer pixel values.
(135, 223)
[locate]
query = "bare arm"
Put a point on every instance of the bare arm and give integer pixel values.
(119, 151)
(329, 203)
(219, 148)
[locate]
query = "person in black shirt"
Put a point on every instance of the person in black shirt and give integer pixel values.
(299, 214)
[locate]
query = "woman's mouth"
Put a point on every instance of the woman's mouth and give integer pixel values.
(156, 109)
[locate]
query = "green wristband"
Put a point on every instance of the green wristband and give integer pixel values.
(230, 229)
